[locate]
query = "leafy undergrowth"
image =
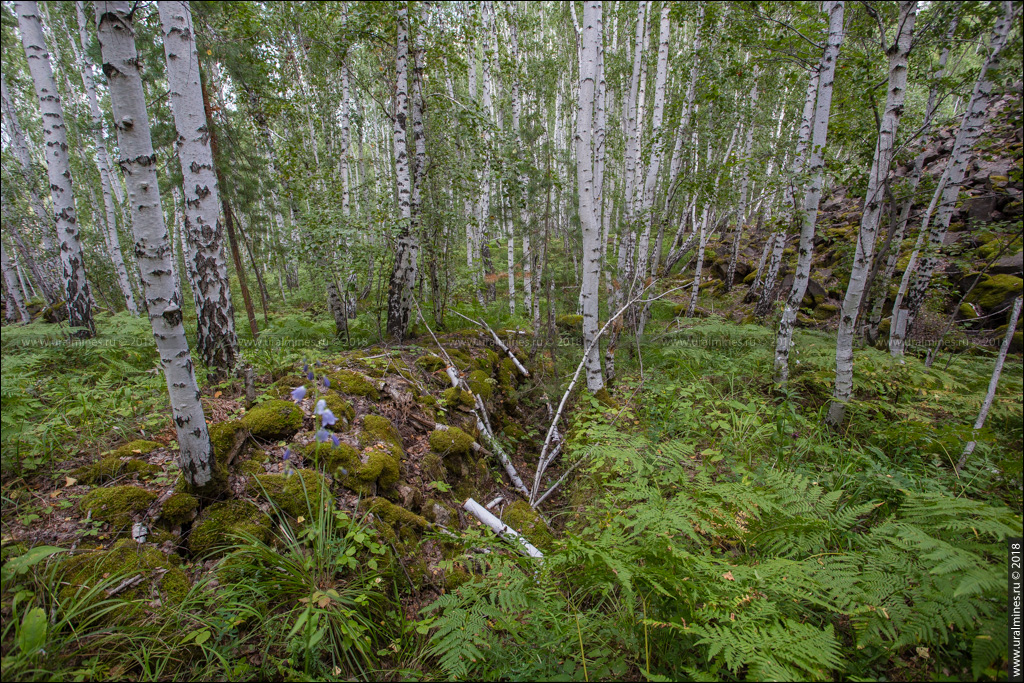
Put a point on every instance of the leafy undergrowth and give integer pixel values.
(713, 530)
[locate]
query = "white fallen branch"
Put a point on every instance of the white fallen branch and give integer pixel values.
(125, 585)
(545, 459)
(479, 412)
(497, 340)
(501, 529)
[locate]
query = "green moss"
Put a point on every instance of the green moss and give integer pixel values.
(454, 397)
(432, 468)
(377, 428)
(487, 361)
(507, 374)
(223, 437)
(354, 384)
(117, 504)
(273, 420)
(297, 494)
(406, 525)
(605, 398)
(430, 363)
(749, 279)
(524, 519)
(966, 312)
(481, 383)
(112, 467)
(824, 311)
(251, 466)
(996, 289)
(179, 508)
(133, 449)
(455, 577)
(214, 531)
(161, 575)
(341, 408)
(514, 432)
(159, 536)
(451, 441)
(570, 323)
(473, 477)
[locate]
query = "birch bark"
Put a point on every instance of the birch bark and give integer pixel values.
(215, 335)
(403, 277)
(13, 287)
(76, 286)
(102, 161)
(589, 53)
(899, 54)
(816, 170)
(138, 162)
(971, 125)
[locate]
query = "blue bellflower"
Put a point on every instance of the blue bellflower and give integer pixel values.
(299, 393)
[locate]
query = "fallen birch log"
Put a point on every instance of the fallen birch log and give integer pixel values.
(501, 529)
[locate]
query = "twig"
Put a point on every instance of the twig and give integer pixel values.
(125, 585)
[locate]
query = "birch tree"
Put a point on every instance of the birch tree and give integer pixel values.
(76, 286)
(403, 277)
(590, 45)
(107, 182)
(816, 170)
(899, 54)
(971, 125)
(215, 334)
(138, 162)
(14, 292)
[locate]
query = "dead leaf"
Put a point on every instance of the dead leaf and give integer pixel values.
(217, 394)
(728, 576)
(70, 481)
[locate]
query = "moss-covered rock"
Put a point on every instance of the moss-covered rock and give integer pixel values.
(224, 437)
(750, 277)
(605, 398)
(996, 290)
(380, 429)
(297, 494)
(251, 466)
(430, 363)
(432, 468)
(439, 513)
(487, 360)
(117, 504)
(824, 311)
(473, 479)
(374, 471)
(524, 519)
(162, 578)
(273, 420)
(569, 323)
(218, 524)
(341, 409)
(179, 508)
(481, 383)
(134, 449)
(966, 312)
(112, 467)
(514, 431)
(407, 526)
(451, 441)
(454, 397)
(354, 384)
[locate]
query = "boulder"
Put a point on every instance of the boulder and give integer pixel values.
(1009, 265)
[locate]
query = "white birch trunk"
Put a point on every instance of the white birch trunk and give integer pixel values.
(695, 287)
(103, 162)
(899, 54)
(971, 125)
(816, 170)
(590, 289)
(215, 335)
(76, 286)
(992, 384)
(121, 66)
(13, 287)
(403, 277)
(765, 300)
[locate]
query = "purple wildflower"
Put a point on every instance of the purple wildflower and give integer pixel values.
(309, 375)
(322, 435)
(287, 454)
(335, 440)
(299, 393)
(305, 367)
(321, 406)
(327, 418)
(327, 383)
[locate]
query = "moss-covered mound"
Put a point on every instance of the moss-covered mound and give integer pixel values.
(298, 494)
(179, 508)
(570, 323)
(374, 471)
(524, 519)
(400, 525)
(112, 467)
(116, 505)
(341, 409)
(453, 398)
(824, 311)
(162, 580)
(133, 449)
(996, 290)
(430, 363)
(451, 441)
(273, 420)
(481, 383)
(380, 429)
(216, 527)
(353, 383)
